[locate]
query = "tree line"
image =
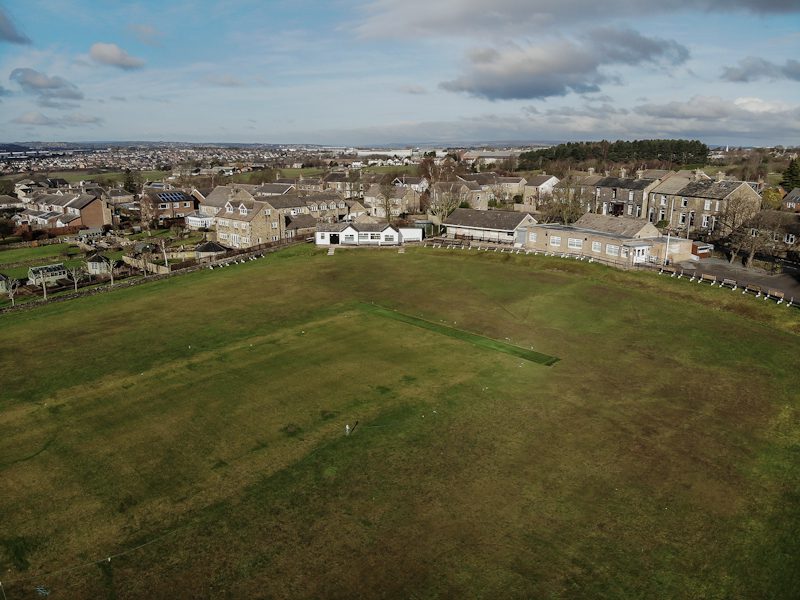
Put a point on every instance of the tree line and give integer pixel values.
(662, 151)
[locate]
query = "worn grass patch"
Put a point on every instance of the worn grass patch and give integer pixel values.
(459, 334)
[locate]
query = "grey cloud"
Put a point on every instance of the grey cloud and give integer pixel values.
(414, 90)
(702, 108)
(9, 32)
(146, 34)
(507, 17)
(39, 120)
(561, 66)
(49, 91)
(753, 68)
(118, 99)
(114, 56)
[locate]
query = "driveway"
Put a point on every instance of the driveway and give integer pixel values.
(787, 282)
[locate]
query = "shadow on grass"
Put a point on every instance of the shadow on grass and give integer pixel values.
(460, 334)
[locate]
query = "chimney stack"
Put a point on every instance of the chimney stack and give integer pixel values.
(640, 174)
(698, 174)
(622, 172)
(591, 170)
(720, 175)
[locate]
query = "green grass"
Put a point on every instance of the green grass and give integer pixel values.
(460, 334)
(52, 251)
(193, 429)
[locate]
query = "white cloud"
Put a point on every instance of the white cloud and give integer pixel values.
(113, 55)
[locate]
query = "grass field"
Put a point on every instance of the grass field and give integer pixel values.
(193, 430)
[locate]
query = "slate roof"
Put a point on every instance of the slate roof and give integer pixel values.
(97, 258)
(274, 189)
(538, 180)
(627, 183)
(301, 222)
(287, 201)
(502, 220)
(793, 196)
(716, 190)
(210, 247)
(619, 226)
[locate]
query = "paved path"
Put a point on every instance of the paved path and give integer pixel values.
(788, 283)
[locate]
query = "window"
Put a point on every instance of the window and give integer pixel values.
(363, 236)
(682, 219)
(630, 209)
(242, 210)
(322, 235)
(555, 240)
(341, 204)
(612, 250)
(717, 209)
(630, 196)
(389, 238)
(275, 238)
(596, 246)
(223, 236)
(274, 224)
(313, 208)
(707, 205)
(228, 208)
(684, 202)
(705, 221)
(246, 240)
(663, 200)
(575, 243)
(638, 211)
(753, 232)
(374, 236)
(176, 205)
(163, 206)
(789, 238)
(267, 211)
(532, 236)
(349, 238)
(187, 204)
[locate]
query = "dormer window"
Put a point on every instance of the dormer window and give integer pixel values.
(228, 208)
(242, 210)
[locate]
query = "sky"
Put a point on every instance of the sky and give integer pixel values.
(368, 72)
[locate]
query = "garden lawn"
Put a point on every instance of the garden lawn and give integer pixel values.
(192, 429)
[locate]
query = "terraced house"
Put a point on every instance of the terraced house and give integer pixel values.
(707, 205)
(248, 222)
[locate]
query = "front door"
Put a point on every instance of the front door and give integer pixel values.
(334, 238)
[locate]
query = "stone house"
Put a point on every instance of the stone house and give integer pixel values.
(248, 223)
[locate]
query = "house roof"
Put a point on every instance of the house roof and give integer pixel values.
(210, 247)
(97, 258)
(619, 226)
(301, 222)
(538, 180)
(82, 201)
(286, 201)
(626, 183)
(711, 188)
(502, 220)
(273, 189)
(793, 196)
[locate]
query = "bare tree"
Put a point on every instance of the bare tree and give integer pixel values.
(76, 274)
(735, 224)
(43, 283)
(445, 201)
(386, 199)
(566, 204)
(12, 286)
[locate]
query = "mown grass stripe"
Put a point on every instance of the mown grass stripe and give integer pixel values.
(459, 334)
